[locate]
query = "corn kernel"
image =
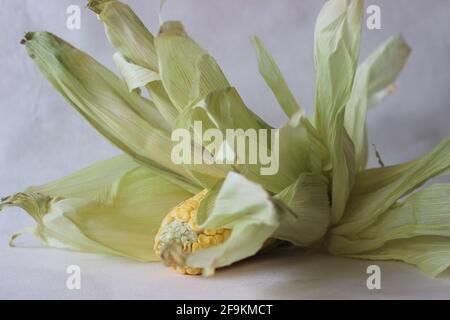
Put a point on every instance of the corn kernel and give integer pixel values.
(210, 232)
(203, 240)
(193, 271)
(218, 238)
(195, 247)
(226, 233)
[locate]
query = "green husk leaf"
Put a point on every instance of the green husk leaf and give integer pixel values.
(178, 55)
(376, 190)
(244, 207)
(430, 254)
(374, 80)
(203, 147)
(127, 33)
(295, 148)
(135, 76)
(208, 78)
(307, 198)
(415, 230)
(162, 101)
(300, 150)
(318, 152)
(275, 80)
(424, 213)
(337, 42)
(114, 207)
(342, 155)
(126, 119)
(224, 109)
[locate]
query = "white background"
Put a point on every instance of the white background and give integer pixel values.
(42, 138)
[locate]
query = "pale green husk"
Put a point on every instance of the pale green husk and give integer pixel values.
(323, 196)
(113, 207)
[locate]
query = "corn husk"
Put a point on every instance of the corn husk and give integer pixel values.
(274, 79)
(114, 207)
(374, 80)
(337, 42)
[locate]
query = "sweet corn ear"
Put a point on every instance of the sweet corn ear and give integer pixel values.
(179, 235)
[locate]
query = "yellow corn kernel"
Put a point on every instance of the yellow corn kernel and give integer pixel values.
(226, 233)
(195, 247)
(218, 238)
(210, 232)
(193, 271)
(203, 240)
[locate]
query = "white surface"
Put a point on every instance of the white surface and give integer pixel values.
(42, 138)
(40, 273)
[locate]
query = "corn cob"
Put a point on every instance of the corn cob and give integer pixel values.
(179, 235)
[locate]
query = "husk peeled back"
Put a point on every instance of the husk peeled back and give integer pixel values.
(114, 207)
(337, 42)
